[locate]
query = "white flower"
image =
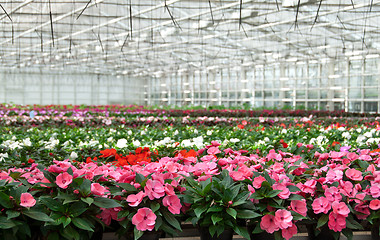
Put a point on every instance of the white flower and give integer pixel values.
(110, 139)
(195, 131)
(175, 132)
(26, 142)
(121, 143)
(112, 130)
(368, 134)
(129, 132)
(284, 131)
(341, 129)
(359, 130)
(346, 135)
(136, 143)
(186, 143)
(234, 140)
(2, 156)
(266, 139)
(73, 155)
(209, 133)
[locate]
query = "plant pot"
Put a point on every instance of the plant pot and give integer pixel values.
(205, 234)
(259, 236)
(154, 235)
(325, 233)
(375, 235)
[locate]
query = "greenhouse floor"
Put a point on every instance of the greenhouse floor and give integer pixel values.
(300, 236)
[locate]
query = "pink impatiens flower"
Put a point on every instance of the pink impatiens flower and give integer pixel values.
(144, 219)
(375, 190)
(173, 203)
(63, 180)
(374, 204)
(135, 199)
(337, 222)
(283, 218)
(285, 193)
(154, 189)
(354, 174)
(321, 205)
(299, 206)
(340, 208)
(289, 232)
(27, 200)
(268, 224)
(97, 189)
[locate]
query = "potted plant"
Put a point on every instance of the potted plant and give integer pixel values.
(217, 204)
(150, 205)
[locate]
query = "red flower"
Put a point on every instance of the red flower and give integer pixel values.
(31, 160)
(108, 153)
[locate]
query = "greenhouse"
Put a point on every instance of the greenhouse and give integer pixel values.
(190, 119)
(302, 54)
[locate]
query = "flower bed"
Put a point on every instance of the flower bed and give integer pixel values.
(212, 187)
(134, 170)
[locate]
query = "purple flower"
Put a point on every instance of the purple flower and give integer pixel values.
(345, 148)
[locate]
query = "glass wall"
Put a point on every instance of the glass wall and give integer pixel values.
(351, 85)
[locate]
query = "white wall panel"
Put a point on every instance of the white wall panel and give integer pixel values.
(50, 88)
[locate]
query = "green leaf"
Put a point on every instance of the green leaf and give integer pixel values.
(215, 208)
(122, 214)
(199, 210)
(232, 212)
(5, 223)
(83, 223)
(293, 188)
(70, 233)
(273, 193)
(12, 214)
(85, 187)
(242, 231)
(322, 220)
(53, 236)
(295, 197)
(5, 201)
(171, 219)
(352, 224)
(137, 233)
(139, 178)
(52, 204)
(77, 209)
(215, 219)
(154, 206)
(67, 198)
(247, 214)
(277, 235)
(348, 233)
(37, 215)
(126, 186)
(88, 200)
(106, 202)
(64, 221)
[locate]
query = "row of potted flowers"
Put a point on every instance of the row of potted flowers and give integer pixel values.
(214, 188)
(18, 145)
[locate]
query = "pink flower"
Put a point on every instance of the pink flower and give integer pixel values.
(285, 193)
(321, 205)
(257, 181)
(97, 189)
(332, 194)
(144, 219)
(354, 174)
(340, 208)
(173, 203)
(309, 186)
(213, 150)
(337, 222)
(154, 189)
(289, 232)
(107, 214)
(374, 204)
(27, 200)
(299, 206)
(237, 175)
(268, 224)
(283, 218)
(375, 190)
(135, 199)
(63, 180)
(363, 211)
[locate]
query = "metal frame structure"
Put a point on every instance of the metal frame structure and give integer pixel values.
(203, 51)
